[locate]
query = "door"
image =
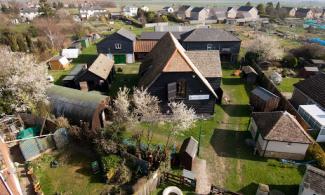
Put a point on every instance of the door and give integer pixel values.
(120, 59)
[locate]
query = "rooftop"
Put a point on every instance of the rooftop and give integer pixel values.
(314, 179)
(102, 66)
(314, 111)
(314, 88)
(263, 93)
(280, 126)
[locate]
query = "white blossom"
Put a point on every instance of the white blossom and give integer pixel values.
(22, 79)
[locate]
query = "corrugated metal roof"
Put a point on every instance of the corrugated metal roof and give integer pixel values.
(74, 104)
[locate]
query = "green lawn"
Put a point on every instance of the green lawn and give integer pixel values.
(73, 176)
(287, 84)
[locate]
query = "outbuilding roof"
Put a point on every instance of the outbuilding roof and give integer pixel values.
(280, 126)
(102, 66)
(74, 104)
(127, 34)
(197, 9)
(174, 59)
(248, 70)
(190, 146)
(144, 45)
(311, 69)
(209, 35)
(208, 62)
(314, 179)
(314, 88)
(158, 35)
(263, 93)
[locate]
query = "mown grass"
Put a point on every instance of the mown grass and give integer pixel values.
(287, 84)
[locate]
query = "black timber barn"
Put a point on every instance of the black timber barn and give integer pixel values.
(225, 42)
(118, 46)
(173, 74)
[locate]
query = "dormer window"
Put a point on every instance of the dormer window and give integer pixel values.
(118, 46)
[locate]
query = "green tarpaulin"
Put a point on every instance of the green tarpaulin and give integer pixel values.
(29, 132)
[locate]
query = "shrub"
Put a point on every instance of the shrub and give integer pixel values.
(119, 69)
(315, 152)
(290, 61)
(251, 57)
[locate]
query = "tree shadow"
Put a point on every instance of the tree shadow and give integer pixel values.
(123, 80)
(237, 110)
(286, 189)
(232, 81)
(85, 59)
(230, 143)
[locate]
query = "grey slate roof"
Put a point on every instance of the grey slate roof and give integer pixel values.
(263, 93)
(209, 35)
(314, 88)
(280, 126)
(74, 104)
(314, 179)
(74, 72)
(184, 7)
(311, 68)
(208, 62)
(127, 34)
(197, 9)
(245, 8)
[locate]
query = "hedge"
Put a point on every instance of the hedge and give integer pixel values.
(315, 152)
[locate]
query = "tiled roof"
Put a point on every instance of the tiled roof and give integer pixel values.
(208, 34)
(208, 62)
(174, 59)
(144, 46)
(280, 126)
(314, 88)
(102, 66)
(314, 179)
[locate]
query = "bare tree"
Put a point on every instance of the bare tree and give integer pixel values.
(267, 47)
(182, 119)
(55, 30)
(23, 81)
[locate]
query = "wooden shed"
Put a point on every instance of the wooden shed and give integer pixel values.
(308, 71)
(188, 152)
(58, 63)
(263, 100)
(249, 74)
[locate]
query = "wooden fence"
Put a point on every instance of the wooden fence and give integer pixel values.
(218, 190)
(178, 179)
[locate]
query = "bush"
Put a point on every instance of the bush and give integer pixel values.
(315, 152)
(290, 61)
(251, 57)
(119, 69)
(111, 162)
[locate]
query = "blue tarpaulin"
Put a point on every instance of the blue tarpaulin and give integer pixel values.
(317, 40)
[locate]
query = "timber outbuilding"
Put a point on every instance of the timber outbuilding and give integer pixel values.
(279, 135)
(263, 100)
(78, 106)
(249, 74)
(188, 152)
(58, 63)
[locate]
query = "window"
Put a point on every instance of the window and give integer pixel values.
(177, 90)
(118, 46)
(181, 89)
(209, 46)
